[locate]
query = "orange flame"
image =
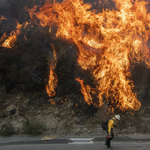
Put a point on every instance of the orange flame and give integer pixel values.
(86, 91)
(108, 42)
(13, 37)
(9, 42)
(52, 83)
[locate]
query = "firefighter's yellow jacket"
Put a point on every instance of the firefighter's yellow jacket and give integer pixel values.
(111, 124)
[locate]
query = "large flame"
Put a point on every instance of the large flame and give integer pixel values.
(108, 43)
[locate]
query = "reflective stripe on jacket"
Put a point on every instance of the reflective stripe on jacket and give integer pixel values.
(111, 124)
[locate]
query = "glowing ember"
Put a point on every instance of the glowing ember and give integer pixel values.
(63, 100)
(52, 101)
(52, 83)
(2, 18)
(4, 36)
(108, 43)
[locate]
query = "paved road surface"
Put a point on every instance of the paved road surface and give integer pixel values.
(94, 146)
(132, 142)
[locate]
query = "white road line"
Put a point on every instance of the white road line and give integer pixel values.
(91, 142)
(81, 140)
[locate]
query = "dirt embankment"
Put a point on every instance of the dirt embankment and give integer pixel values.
(66, 118)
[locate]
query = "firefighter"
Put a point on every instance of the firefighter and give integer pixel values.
(109, 130)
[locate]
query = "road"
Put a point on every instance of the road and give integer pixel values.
(94, 146)
(30, 143)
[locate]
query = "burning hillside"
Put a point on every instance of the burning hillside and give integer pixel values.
(109, 43)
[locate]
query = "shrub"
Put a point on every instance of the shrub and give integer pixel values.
(7, 129)
(32, 127)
